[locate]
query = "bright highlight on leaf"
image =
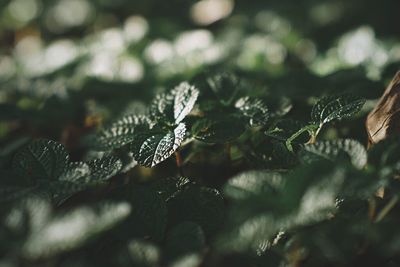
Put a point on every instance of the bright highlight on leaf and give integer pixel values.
(155, 146)
(254, 109)
(71, 230)
(175, 105)
(152, 139)
(332, 150)
(336, 107)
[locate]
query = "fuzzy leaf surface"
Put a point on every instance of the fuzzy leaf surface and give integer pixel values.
(336, 107)
(41, 159)
(175, 105)
(154, 146)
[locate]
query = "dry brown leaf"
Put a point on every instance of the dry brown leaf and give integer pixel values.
(384, 119)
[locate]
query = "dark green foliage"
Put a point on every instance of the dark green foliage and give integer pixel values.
(288, 183)
(184, 239)
(335, 107)
(332, 150)
(218, 129)
(42, 159)
(198, 204)
(210, 133)
(154, 138)
(44, 168)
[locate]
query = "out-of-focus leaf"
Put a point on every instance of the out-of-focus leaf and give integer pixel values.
(385, 153)
(41, 159)
(167, 187)
(73, 228)
(148, 218)
(332, 150)
(13, 193)
(200, 205)
(143, 253)
(218, 129)
(254, 109)
(269, 203)
(184, 239)
(225, 86)
(251, 184)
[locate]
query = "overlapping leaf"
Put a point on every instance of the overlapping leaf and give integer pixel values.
(254, 109)
(41, 159)
(336, 107)
(267, 202)
(51, 172)
(175, 105)
(143, 253)
(153, 139)
(184, 239)
(200, 205)
(148, 218)
(218, 128)
(121, 132)
(332, 150)
(284, 129)
(152, 147)
(225, 86)
(72, 229)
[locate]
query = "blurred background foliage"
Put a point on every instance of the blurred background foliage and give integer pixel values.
(70, 59)
(100, 52)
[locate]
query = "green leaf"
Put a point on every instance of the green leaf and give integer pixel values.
(74, 179)
(13, 193)
(167, 187)
(121, 133)
(80, 176)
(332, 150)
(254, 109)
(184, 239)
(225, 86)
(143, 253)
(218, 129)
(75, 171)
(156, 145)
(284, 129)
(251, 184)
(282, 156)
(175, 105)
(201, 205)
(72, 229)
(336, 107)
(386, 153)
(266, 203)
(41, 159)
(104, 168)
(148, 218)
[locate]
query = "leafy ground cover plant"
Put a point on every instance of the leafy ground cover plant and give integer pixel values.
(287, 202)
(259, 136)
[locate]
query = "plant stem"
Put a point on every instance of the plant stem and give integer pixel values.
(179, 162)
(187, 141)
(389, 206)
(228, 151)
(309, 128)
(372, 209)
